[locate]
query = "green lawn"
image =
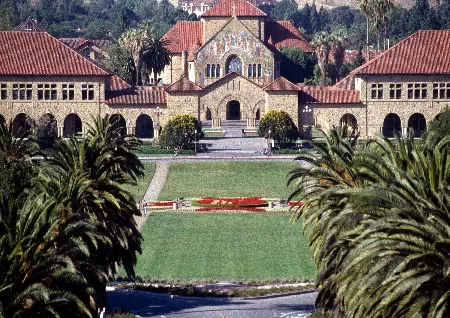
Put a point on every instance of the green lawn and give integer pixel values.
(139, 189)
(239, 247)
(227, 178)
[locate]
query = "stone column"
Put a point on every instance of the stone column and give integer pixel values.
(156, 128)
(60, 131)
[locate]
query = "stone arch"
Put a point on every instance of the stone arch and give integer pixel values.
(144, 126)
(233, 64)
(417, 123)
(118, 121)
(221, 110)
(392, 125)
(48, 123)
(350, 121)
(72, 125)
(21, 123)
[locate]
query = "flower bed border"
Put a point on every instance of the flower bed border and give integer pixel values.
(197, 203)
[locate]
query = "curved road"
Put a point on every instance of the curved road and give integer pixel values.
(148, 304)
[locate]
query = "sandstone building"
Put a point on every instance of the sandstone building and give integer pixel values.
(224, 67)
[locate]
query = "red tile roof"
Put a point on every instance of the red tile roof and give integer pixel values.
(230, 76)
(281, 84)
(239, 8)
(184, 36)
(328, 96)
(38, 53)
(424, 52)
(76, 43)
(133, 96)
(347, 83)
(117, 84)
(30, 25)
(183, 85)
(284, 34)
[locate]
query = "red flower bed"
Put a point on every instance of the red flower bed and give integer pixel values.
(166, 203)
(213, 202)
(295, 203)
(207, 209)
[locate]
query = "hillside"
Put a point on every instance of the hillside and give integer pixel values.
(352, 3)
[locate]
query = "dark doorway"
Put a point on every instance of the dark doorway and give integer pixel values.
(117, 121)
(144, 126)
(208, 114)
(392, 125)
(234, 110)
(418, 124)
(21, 124)
(258, 115)
(72, 125)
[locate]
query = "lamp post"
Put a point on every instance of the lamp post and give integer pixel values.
(306, 111)
(268, 140)
(195, 142)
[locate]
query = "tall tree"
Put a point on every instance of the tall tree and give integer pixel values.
(156, 54)
(322, 47)
(338, 49)
(366, 8)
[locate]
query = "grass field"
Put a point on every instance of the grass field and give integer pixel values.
(139, 189)
(239, 247)
(227, 178)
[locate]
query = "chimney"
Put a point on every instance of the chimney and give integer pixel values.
(184, 64)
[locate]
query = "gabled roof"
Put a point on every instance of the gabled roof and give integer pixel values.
(329, 96)
(29, 25)
(184, 36)
(117, 84)
(284, 34)
(229, 8)
(132, 96)
(38, 53)
(76, 43)
(183, 85)
(230, 76)
(424, 52)
(281, 84)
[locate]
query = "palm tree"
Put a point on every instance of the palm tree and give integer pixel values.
(366, 8)
(134, 40)
(381, 9)
(321, 44)
(338, 49)
(156, 54)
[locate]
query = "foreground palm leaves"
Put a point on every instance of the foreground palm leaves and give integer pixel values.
(378, 224)
(61, 244)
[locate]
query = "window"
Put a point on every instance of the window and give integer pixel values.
(46, 91)
(68, 91)
(441, 90)
(395, 91)
(3, 91)
(249, 72)
(87, 91)
(22, 91)
(213, 70)
(377, 91)
(254, 70)
(417, 91)
(208, 70)
(259, 70)
(218, 70)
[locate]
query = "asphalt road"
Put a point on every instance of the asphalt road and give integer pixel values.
(147, 304)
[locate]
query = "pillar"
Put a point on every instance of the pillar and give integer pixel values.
(60, 131)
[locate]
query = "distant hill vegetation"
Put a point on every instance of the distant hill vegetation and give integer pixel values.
(352, 3)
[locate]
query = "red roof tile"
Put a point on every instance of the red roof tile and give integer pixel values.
(239, 8)
(281, 84)
(329, 96)
(229, 76)
(183, 85)
(38, 53)
(424, 52)
(184, 36)
(284, 34)
(347, 82)
(117, 84)
(30, 25)
(133, 96)
(76, 43)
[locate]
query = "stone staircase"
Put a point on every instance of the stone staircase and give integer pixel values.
(233, 144)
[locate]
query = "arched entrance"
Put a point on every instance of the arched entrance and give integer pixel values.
(47, 129)
(233, 64)
(350, 122)
(417, 123)
(233, 110)
(208, 114)
(2, 119)
(392, 125)
(72, 125)
(21, 124)
(117, 121)
(258, 114)
(144, 127)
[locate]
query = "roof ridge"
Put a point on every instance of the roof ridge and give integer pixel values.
(228, 75)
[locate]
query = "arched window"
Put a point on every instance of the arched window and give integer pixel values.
(249, 72)
(208, 70)
(213, 70)
(259, 70)
(218, 70)
(233, 64)
(254, 70)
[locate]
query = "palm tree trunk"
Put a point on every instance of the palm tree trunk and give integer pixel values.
(367, 38)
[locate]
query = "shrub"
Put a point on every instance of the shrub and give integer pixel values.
(180, 132)
(281, 126)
